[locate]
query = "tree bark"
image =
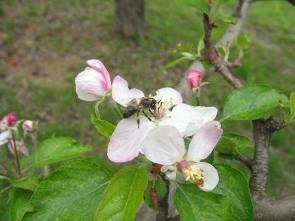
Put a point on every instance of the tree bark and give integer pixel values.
(129, 17)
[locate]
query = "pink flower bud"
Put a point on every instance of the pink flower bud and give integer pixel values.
(9, 119)
(94, 82)
(194, 77)
(29, 126)
(20, 148)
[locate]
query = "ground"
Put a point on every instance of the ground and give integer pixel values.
(44, 44)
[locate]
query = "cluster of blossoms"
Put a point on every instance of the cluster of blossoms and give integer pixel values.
(9, 133)
(159, 134)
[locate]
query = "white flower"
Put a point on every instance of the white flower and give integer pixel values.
(129, 139)
(168, 148)
(94, 82)
(4, 137)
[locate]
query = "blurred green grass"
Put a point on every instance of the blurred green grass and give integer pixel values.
(44, 44)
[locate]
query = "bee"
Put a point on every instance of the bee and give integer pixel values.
(144, 104)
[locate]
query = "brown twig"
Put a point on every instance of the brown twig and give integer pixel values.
(262, 131)
(16, 156)
(234, 30)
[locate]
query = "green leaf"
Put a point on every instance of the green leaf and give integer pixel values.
(236, 164)
(19, 204)
(194, 204)
(234, 186)
(27, 183)
(292, 103)
(228, 19)
(236, 145)
(160, 188)
(72, 192)
(243, 41)
(176, 62)
(123, 195)
(201, 5)
(252, 102)
(103, 127)
(55, 150)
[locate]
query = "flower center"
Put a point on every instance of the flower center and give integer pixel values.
(191, 173)
(163, 108)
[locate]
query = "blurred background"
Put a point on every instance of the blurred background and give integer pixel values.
(44, 45)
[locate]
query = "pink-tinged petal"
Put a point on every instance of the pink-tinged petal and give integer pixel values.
(127, 138)
(163, 145)
(20, 147)
(99, 66)
(122, 94)
(168, 95)
(204, 141)
(24, 150)
(9, 119)
(188, 119)
(90, 85)
(4, 136)
(194, 77)
(210, 176)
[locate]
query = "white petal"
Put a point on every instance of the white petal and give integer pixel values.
(168, 94)
(170, 172)
(188, 119)
(204, 141)
(4, 136)
(163, 145)
(127, 138)
(99, 66)
(210, 174)
(90, 85)
(122, 94)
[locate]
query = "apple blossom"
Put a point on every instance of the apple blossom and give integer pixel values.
(29, 126)
(8, 121)
(20, 147)
(194, 75)
(166, 146)
(94, 82)
(194, 78)
(129, 139)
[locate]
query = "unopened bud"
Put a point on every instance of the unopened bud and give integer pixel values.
(20, 148)
(194, 77)
(8, 120)
(30, 126)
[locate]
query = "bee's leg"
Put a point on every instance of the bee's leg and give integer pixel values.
(137, 116)
(146, 116)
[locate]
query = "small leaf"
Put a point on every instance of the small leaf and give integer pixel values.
(103, 127)
(243, 41)
(201, 5)
(236, 145)
(72, 192)
(292, 103)
(228, 19)
(20, 204)
(123, 195)
(27, 183)
(252, 102)
(176, 62)
(194, 204)
(55, 150)
(234, 186)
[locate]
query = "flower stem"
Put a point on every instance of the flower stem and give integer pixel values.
(16, 156)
